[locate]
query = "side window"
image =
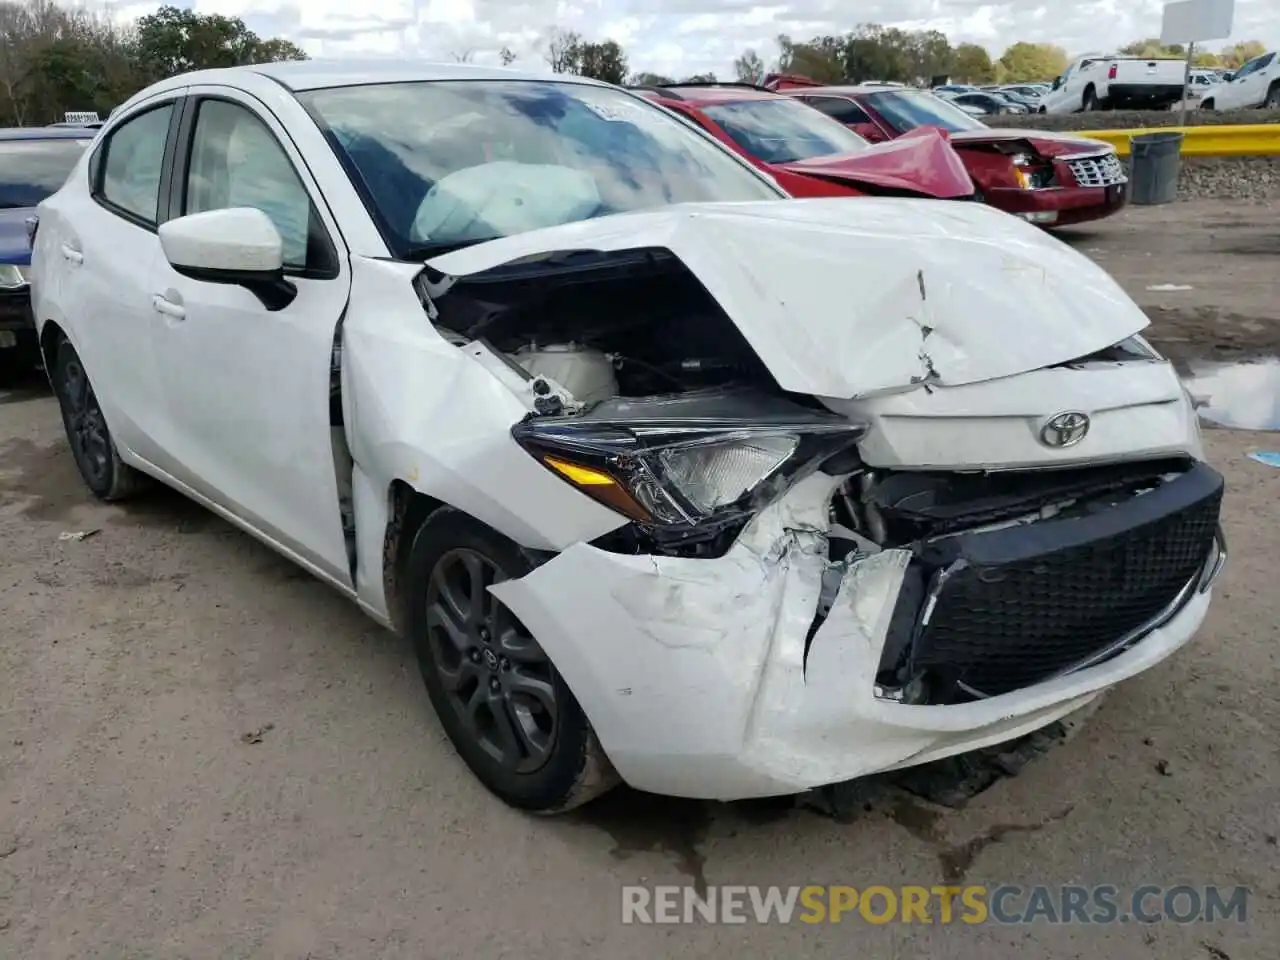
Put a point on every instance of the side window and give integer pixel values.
(1247, 69)
(838, 108)
(132, 161)
(236, 161)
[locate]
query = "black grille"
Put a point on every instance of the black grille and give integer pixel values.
(1019, 605)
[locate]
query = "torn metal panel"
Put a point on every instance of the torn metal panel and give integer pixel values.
(829, 301)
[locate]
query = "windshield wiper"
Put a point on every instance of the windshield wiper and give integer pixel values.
(426, 251)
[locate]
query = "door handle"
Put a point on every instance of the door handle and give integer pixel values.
(71, 253)
(168, 307)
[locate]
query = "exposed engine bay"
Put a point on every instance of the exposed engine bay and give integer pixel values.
(639, 377)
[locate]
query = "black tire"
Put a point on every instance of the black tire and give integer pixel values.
(1207, 104)
(105, 474)
(1042, 110)
(502, 703)
(1273, 98)
(1091, 101)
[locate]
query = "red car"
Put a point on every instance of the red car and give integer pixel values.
(811, 155)
(1053, 179)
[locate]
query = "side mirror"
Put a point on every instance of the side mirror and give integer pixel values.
(1057, 82)
(238, 245)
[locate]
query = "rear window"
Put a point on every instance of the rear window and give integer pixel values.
(30, 170)
(783, 130)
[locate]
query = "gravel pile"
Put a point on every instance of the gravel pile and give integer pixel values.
(1235, 178)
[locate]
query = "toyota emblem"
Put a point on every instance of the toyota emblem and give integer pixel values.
(1065, 429)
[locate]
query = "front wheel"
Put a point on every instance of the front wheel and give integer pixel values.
(1206, 104)
(104, 473)
(1273, 98)
(1091, 102)
(501, 701)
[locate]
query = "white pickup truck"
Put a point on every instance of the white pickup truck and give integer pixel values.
(1106, 82)
(1256, 84)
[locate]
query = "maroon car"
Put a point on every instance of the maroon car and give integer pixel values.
(810, 155)
(1053, 179)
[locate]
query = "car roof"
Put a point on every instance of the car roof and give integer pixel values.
(712, 94)
(47, 133)
(299, 75)
(854, 89)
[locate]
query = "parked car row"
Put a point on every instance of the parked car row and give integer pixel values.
(668, 476)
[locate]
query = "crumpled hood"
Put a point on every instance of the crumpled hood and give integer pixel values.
(844, 297)
(921, 162)
(1048, 143)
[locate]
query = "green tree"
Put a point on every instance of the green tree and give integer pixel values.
(1238, 54)
(174, 40)
(972, 64)
(1026, 62)
(873, 52)
(701, 78)
(646, 79)
(929, 55)
(820, 59)
(749, 68)
(602, 61)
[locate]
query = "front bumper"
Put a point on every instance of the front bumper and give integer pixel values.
(1060, 206)
(706, 678)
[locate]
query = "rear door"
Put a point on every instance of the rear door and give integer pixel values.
(249, 388)
(99, 237)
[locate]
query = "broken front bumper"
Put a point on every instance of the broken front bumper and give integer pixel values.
(706, 678)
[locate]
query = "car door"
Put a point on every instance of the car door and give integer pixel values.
(249, 388)
(1235, 94)
(104, 244)
(1253, 92)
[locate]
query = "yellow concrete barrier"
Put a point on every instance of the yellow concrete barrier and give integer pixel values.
(1251, 140)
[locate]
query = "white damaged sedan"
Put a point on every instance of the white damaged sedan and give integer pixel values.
(667, 477)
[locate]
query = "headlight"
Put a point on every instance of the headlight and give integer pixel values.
(13, 277)
(680, 466)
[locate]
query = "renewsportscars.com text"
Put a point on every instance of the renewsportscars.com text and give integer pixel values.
(971, 904)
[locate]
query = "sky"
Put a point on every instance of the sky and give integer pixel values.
(683, 37)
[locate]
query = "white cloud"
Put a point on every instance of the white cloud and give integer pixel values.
(681, 37)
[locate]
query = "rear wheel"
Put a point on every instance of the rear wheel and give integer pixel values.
(1091, 101)
(95, 453)
(503, 704)
(1273, 97)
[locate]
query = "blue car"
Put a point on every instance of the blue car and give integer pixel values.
(34, 162)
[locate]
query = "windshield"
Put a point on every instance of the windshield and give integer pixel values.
(30, 170)
(907, 109)
(783, 130)
(446, 163)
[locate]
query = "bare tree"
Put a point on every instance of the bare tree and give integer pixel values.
(466, 56)
(506, 56)
(17, 35)
(563, 51)
(749, 68)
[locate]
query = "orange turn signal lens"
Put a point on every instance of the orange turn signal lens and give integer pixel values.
(600, 486)
(582, 476)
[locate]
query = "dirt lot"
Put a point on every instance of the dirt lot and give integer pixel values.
(203, 753)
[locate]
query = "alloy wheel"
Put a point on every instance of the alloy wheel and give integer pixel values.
(496, 677)
(86, 426)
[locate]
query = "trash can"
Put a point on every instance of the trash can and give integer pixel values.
(1154, 162)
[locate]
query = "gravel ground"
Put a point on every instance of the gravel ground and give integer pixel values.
(204, 753)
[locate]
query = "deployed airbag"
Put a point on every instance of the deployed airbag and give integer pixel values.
(503, 197)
